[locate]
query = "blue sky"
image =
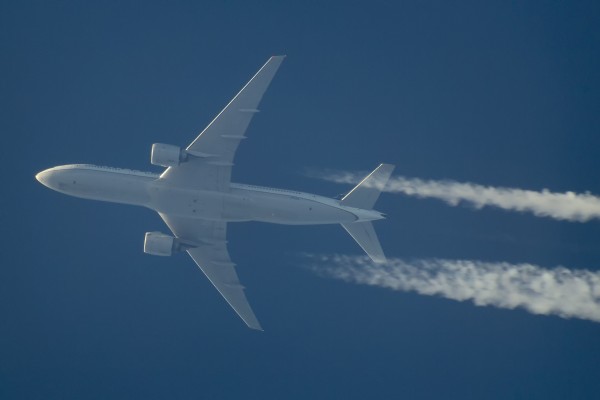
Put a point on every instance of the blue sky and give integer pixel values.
(495, 93)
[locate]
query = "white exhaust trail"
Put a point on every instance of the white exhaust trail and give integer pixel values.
(570, 206)
(558, 291)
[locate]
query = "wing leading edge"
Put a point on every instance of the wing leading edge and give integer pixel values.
(211, 255)
(216, 145)
(209, 168)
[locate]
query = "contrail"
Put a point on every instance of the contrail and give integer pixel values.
(559, 291)
(570, 206)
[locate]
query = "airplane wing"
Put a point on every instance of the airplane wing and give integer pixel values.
(211, 255)
(213, 150)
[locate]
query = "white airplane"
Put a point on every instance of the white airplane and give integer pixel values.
(196, 198)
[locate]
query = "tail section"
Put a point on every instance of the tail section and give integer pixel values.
(365, 236)
(364, 196)
(366, 193)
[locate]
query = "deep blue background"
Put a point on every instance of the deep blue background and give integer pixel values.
(496, 93)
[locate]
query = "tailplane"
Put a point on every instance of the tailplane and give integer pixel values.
(366, 193)
(364, 196)
(365, 236)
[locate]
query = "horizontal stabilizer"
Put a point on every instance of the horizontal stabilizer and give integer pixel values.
(366, 193)
(365, 236)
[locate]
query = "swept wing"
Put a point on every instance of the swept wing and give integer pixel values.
(216, 145)
(211, 255)
(209, 168)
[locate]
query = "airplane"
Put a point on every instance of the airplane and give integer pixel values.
(196, 198)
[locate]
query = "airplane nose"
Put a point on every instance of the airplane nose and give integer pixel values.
(44, 178)
(40, 177)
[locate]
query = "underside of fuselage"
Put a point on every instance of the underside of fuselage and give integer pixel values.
(240, 203)
(196, 199)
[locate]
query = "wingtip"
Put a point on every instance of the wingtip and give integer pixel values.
(256, 328)
(252, 323)
(387, 166)
(378, 258)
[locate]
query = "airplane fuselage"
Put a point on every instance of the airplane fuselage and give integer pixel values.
(239, 203)
(196, 199)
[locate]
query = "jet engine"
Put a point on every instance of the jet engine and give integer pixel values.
(167, 155)
(159, 244)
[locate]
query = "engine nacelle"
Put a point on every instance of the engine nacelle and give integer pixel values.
(159, 244)
(167, 155)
